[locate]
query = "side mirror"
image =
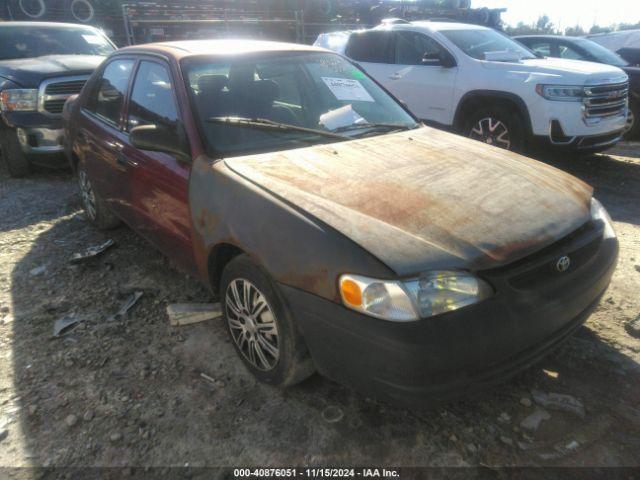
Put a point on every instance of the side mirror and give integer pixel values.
(431, 60)
(441, 59)
(159, 139)
(447, 60)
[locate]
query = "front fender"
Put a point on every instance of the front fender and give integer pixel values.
(294, 247)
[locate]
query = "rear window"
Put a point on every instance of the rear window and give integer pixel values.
(372, 47)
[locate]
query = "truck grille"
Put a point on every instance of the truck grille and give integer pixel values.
(55, 91)
(605, 100)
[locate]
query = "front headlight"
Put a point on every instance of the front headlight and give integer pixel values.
(561, 93)
(599, 213)
(405, 301)
(19, 100)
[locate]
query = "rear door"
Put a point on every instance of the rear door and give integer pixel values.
(427, 89)
(101, 137)
(159, 205)
(373, 50)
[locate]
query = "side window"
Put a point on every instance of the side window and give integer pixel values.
(543, 48)
(152, 101)
(372, 47)
(412, 47)
(108, 97)
(569, 52)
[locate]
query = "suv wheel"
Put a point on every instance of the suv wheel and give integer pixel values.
(632, 130)
(95, 208)
(12, 154)
(260, 325)
(498, 127)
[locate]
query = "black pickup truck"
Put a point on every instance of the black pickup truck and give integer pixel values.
(41, 65)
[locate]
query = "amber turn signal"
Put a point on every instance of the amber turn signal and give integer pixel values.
(351, 292)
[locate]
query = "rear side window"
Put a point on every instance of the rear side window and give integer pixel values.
(152, 101)
(107, 99)
(372, 47)
(411, 47)
(543, 48)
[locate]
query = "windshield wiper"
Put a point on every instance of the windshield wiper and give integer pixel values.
(266, 124)
(360, 126)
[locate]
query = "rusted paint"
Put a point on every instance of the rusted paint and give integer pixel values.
(433, 201)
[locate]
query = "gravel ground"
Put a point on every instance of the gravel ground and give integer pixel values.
(129, 392)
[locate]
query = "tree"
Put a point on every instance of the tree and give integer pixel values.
(576, 31)
(599, 29)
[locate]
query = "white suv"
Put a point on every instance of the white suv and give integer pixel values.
(479, 82)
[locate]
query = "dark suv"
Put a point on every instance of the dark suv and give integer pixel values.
(41, 64)
(576, 48)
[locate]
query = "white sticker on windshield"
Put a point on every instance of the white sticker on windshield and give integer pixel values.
(347, 89)
(93, 39)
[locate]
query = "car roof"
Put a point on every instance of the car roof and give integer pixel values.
(439, 26)
(224, 47)
(564, 37)
(46, 25)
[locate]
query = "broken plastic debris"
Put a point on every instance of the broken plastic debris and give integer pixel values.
(64, 325)
(207, 377)
(126, 306)
(532, 422)
(188, 313)
(91, 252)
(558, 401)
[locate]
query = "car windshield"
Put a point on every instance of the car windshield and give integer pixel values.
(29, 42)
(600, 53)
(478, 43)
(274, 101)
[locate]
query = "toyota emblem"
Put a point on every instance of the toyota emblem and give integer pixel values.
(563, 264)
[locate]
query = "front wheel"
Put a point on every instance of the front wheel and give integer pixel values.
(260, 325)
(12, 154)
(632, 130)
(497, 127)
(95, 208)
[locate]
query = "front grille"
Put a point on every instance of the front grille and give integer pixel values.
(65, 88)
(54, 92)
(605, 100)
(54, 106)
(538, 269)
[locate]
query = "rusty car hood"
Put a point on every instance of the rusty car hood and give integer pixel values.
(426, 199)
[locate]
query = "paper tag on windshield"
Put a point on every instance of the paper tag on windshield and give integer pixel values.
(340, 117)
(347, 89)
(93, 39)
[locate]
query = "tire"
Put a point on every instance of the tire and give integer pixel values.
(269, 343)
(95, 208)
(496, 126)
(82, 11)
(28, 9)
(12, 154)
(632, 131)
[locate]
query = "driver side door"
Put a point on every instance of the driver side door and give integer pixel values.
(159, 181)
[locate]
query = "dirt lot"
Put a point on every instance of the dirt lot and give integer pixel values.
(129, 392)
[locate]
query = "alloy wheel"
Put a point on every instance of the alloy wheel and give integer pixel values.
(252, 323)
(87, 194)
(631, 120)
(491, 131)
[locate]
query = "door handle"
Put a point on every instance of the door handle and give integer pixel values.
(395, 76)
(121, 159)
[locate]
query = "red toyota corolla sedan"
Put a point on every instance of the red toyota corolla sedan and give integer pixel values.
(340, 234)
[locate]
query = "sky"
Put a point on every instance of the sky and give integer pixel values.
(567, 13)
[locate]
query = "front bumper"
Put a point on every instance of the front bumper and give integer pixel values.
(35, 141)
(435, 359)
(39, 135)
